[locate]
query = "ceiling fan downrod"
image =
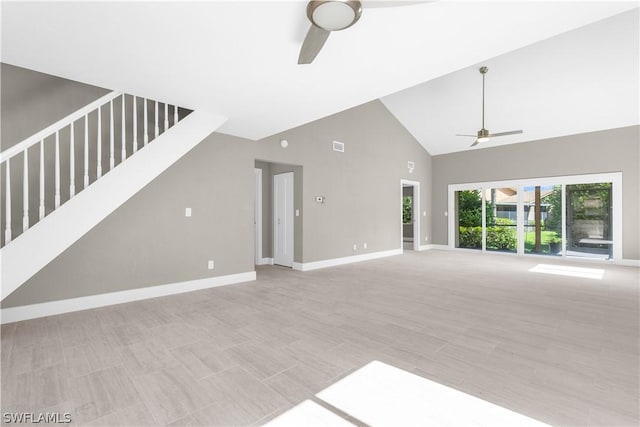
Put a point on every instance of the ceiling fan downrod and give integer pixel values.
(483, 71)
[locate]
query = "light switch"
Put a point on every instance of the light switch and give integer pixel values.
(424, 213)
(187, 212)
(297, 212)
(210, 265)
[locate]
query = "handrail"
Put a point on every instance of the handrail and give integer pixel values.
(50, 130)
(90, 144)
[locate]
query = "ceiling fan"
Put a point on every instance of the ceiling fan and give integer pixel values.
(483, 134)
(334, 15)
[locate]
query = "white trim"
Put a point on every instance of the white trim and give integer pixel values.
(315, 265)
(33, 311)
(628, 262)
(50, 130)
(284, 255)
(258, 215)
(415, 214)
(614, 177)
(42, 243)
(564, 179)
(435, 247)
(266, 261)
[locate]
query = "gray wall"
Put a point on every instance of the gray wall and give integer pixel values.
(267, 208)
(148, 241)
(361, 186)
(31, 101)
(615, 150)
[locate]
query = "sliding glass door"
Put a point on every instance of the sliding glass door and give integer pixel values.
(469, 221)
(543, 219)
(501, 213)
(562, 217)
(589, 220)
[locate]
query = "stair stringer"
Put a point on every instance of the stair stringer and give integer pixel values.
(42, 243)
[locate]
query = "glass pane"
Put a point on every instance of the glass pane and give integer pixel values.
(501, 205)
(543, 219)
(469, 219)
(589, 227)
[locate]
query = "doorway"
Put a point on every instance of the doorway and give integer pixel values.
(270, 237)
(410, 215)
(283, 219)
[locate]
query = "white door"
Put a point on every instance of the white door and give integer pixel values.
(283, 219)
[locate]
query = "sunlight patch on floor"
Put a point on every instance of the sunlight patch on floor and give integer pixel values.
(565, 270)
(381, 395)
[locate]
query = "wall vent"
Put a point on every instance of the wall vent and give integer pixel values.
(338, 146)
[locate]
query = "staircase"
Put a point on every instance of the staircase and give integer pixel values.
(104, 153)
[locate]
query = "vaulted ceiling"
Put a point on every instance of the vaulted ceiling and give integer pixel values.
(238, 59)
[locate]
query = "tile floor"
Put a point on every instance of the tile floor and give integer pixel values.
(562, 350)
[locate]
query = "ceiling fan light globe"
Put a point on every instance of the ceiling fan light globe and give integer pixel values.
(334, 15)
(483, 138)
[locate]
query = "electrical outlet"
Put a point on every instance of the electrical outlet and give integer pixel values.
(187, 212)
(210, 265)
(424, 213)
(355, 247)
(365, 246)
(297, 212)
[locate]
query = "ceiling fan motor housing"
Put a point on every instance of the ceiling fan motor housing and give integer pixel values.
(334, 15)
(483, 133)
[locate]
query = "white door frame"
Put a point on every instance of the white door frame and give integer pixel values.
(289, 223)
(415, 214)
(257, 217)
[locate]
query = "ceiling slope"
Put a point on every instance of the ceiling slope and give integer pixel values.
(238, 59)
(581, 81)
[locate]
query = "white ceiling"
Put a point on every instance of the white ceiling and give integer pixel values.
(238, 59)
(581, 81)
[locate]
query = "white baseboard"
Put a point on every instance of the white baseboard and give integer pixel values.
(307, 266)
(42, 243)
(32, 311)
(438, 247)
(265, 261)
(629, 262)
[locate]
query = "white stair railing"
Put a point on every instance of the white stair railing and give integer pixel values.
(92, 166)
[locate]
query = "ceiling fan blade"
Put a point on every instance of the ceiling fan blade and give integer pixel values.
(475, 143)
(511, 132)
(313, 42)
(370, 4)
(464, 134)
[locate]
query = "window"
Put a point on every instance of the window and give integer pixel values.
(573, 216)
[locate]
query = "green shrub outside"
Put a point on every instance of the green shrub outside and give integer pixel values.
(501, 236)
